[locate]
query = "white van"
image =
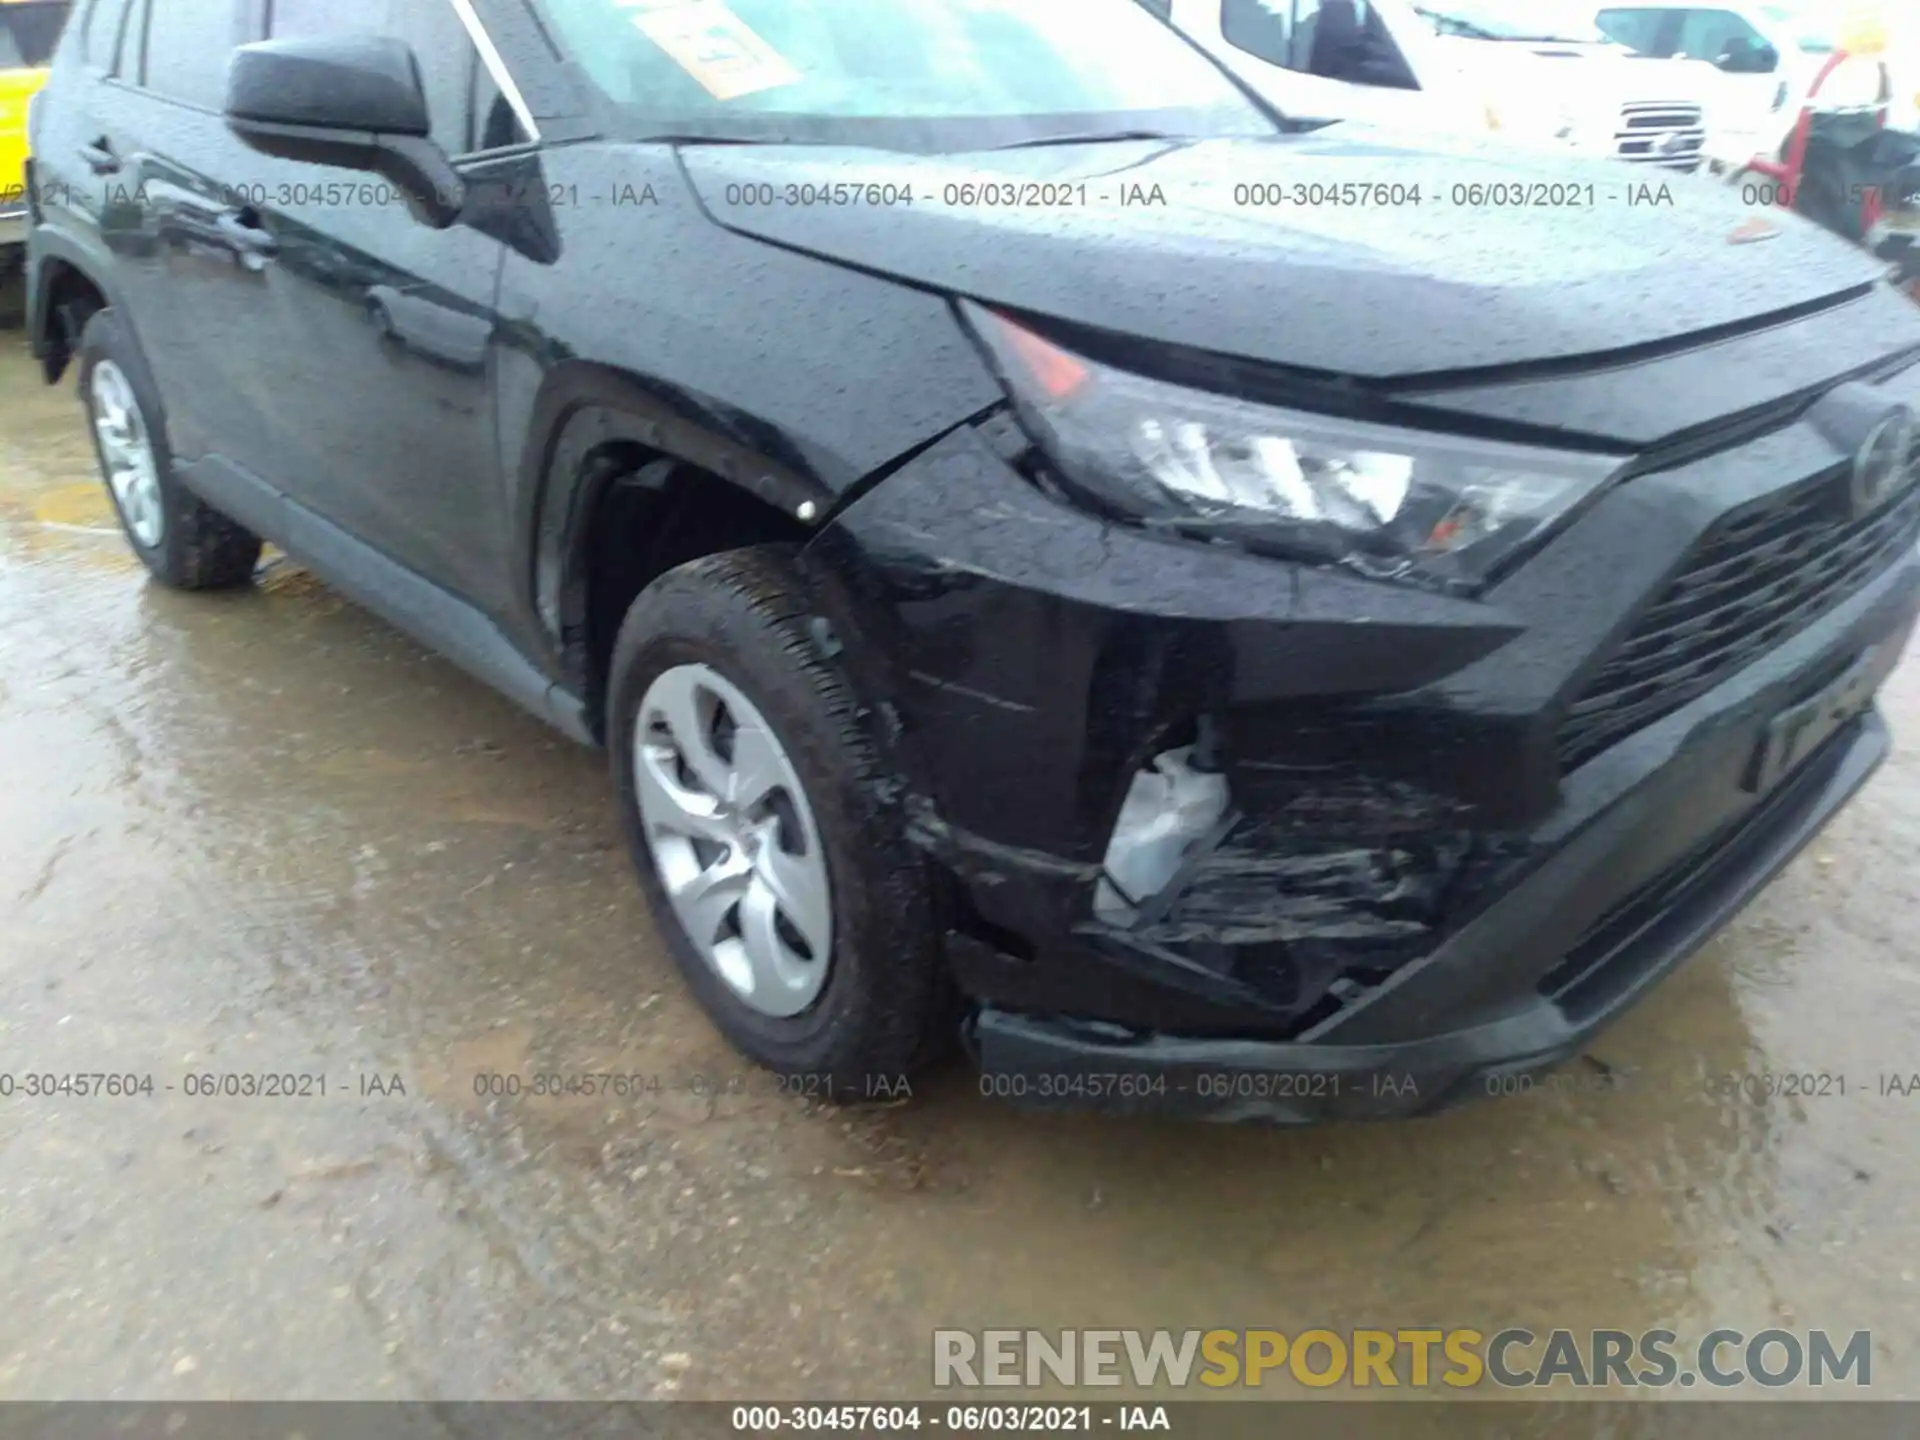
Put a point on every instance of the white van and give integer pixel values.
(1531, 71)
(1766, 56)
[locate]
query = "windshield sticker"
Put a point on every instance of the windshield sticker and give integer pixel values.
(713, 45)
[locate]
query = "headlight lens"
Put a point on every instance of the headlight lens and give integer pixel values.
(1391, 503)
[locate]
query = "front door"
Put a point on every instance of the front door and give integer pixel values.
(377, 384)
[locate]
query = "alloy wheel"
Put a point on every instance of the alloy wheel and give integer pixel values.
(733, 839)
(126, 451)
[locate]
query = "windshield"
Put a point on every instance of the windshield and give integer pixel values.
(1810, 33)
(28, 34)
(1512, 20)
(908, 74)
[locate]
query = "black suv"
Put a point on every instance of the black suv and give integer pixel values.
(1225, 615)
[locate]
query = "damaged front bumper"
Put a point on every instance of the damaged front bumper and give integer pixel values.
(1455, 846)
(1497, 1005)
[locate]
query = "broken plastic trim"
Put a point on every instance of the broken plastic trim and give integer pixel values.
(1177, 807)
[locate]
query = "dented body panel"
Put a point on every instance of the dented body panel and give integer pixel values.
(1462, 825)
(1412, 855)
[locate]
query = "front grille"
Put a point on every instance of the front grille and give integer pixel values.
(1757, 577)
(1615, 952)
(1667, 134)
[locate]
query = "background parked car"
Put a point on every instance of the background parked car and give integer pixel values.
(29, 29)
(1531, 72)
(1767, 55)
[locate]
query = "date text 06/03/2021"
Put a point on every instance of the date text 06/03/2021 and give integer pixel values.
(1025, 1419)
(1206, 1085)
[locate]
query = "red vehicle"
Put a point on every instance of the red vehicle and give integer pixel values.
(1846, 170)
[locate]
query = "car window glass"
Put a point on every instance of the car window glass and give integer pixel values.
(441, 46)
(1639, 29)
(1348, 40)
(921, 74)
(1710, 34)
(28, 34)
(1162, 8)
(187, 49)
(1262, 28)
(1812, 33)
(100, 41)
(494, 123)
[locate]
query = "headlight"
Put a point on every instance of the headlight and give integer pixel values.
(1389, 502)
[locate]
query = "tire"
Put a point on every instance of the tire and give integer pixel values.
(885, 1005)
(183, 541)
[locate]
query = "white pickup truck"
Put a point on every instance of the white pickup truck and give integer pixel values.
(1535, 72)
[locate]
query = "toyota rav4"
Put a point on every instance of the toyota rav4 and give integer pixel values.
(1223, 615)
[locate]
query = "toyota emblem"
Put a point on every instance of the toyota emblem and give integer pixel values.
(1884, 464)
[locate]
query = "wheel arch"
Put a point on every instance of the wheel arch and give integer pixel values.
(603, 445)
(65, 284)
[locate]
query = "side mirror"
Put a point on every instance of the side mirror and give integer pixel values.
(1387, 72)
(351, 101)
(1743, 59)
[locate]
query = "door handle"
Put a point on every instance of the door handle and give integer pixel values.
(242, 229)
(100, 157)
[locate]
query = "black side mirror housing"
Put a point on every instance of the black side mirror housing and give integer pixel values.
(1749, 60)
(350, 101)
(1387, 72)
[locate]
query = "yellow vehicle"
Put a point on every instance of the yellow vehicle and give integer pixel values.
(29, 29)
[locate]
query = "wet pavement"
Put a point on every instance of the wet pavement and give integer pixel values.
(264, 833)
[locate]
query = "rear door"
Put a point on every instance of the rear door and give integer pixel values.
(154, 157)
(69, 189)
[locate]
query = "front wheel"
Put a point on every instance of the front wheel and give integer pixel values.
(766, 835)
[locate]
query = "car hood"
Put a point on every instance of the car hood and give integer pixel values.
(1608, 75)
(1166, 244)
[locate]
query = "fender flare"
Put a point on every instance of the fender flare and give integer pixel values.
(584, 407)
(47, 245)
